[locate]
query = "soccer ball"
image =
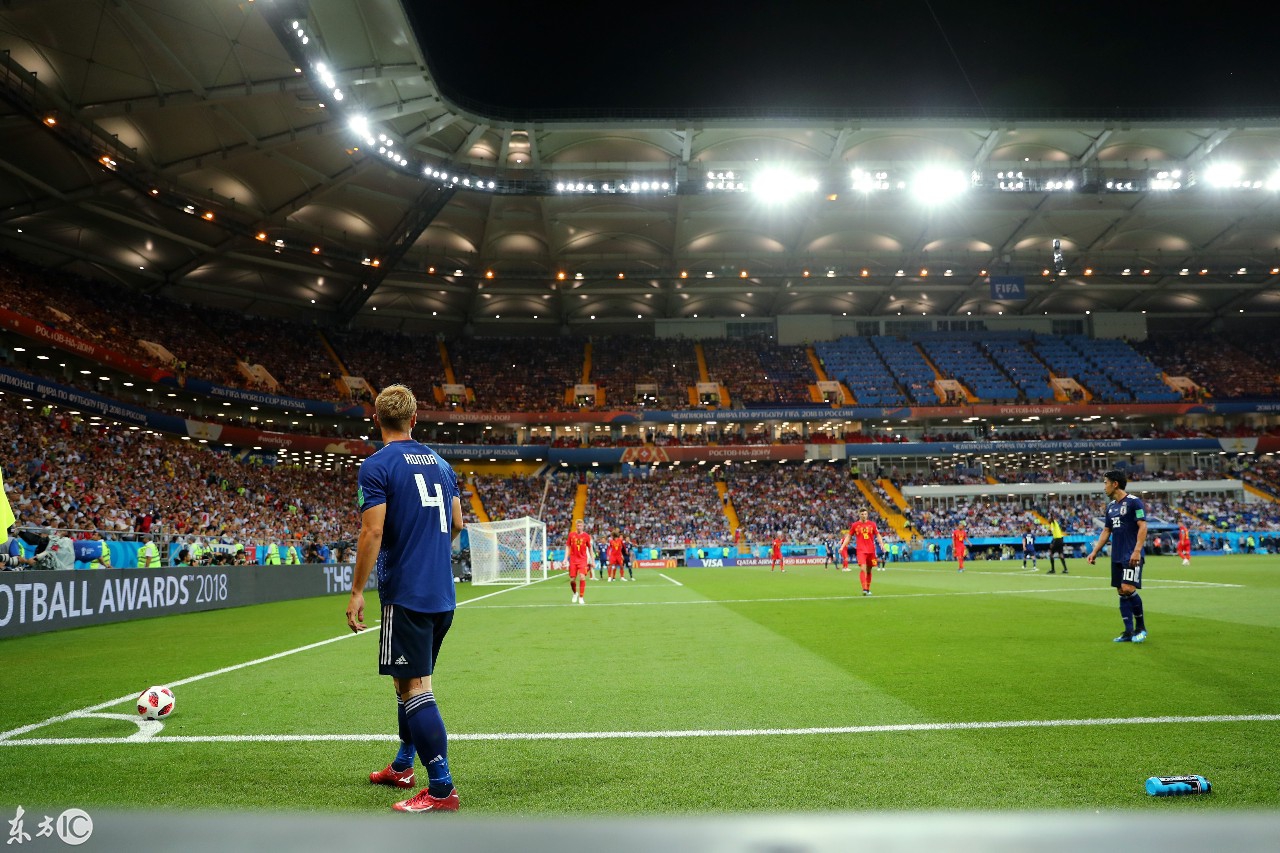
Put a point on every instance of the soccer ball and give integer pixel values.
(155, 703)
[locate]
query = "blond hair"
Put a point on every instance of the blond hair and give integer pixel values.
(395, 406)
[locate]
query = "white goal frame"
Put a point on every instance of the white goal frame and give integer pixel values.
(511, 552)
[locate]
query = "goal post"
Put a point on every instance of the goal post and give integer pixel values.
(513, 551)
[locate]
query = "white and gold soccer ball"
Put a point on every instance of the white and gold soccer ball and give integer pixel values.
(155, 703)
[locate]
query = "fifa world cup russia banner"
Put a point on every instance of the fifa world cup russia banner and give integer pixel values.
(452, 416)
(275, 401)
(649, 454)
(38, 331)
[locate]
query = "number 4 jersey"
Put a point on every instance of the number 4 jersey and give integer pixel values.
(418, 487)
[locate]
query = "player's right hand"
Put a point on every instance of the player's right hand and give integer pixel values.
(355, 612)
(1089, 559)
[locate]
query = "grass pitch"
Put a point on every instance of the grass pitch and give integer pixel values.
(689, 691)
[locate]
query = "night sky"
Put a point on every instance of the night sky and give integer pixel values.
(1088, 57)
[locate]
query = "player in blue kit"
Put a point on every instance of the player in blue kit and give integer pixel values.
(92, 551)
(1126, 525)
(1029, 548)
(411, 511)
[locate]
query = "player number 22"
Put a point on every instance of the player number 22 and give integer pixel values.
(436, 500)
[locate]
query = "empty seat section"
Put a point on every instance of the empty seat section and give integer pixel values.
(856, 363)
(908, 366)
(1026, 371)
(964, 361)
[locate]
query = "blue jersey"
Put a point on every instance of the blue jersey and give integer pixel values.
(418, 488)
(88, 550)
(323, 553)
(1122, 520)
(1029, 543)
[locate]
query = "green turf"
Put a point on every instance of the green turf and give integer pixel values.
(731, 649)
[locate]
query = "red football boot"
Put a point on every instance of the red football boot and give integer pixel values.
(394, 778)
(424, 802)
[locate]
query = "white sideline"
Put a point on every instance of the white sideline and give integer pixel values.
(4, 736)
(679, 733)
(859, 597)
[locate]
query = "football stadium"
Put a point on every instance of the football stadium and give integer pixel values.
(860, 435)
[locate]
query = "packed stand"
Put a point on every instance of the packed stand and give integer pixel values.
(800, 503)
(758, 372)
(385, 358)
(518, 374)
(621, 362)
(65, 473)
(662, 507)
(1240, 367)
(549, 499)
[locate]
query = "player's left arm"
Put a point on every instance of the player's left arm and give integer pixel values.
(1136, 557)
(371, 524)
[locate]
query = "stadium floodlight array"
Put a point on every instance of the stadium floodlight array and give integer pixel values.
(1226, 175)
(1019, 181)
(513, 551)
(614, 187)
(1165, 180)
(727, 181)
(873, 181)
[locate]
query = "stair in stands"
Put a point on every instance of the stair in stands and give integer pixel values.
(896, 520)
(477, 505)
(730, 513)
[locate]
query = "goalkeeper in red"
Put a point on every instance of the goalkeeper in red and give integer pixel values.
(864, 534)
(582, 555)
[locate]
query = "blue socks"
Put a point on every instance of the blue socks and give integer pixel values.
(1126, 613)
(427, 728)
(1135, 606)
(404, 758)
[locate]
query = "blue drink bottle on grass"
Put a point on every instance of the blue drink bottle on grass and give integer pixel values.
(1172, 786)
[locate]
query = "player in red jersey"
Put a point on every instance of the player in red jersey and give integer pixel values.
(614, 555)
(960, 544)
(775, 554)
(865, 535)
(1184, 544)
(581, 557)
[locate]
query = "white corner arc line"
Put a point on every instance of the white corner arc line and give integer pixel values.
(980, 725)
(80, 712)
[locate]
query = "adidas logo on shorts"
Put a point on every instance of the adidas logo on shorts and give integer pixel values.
(400, 661)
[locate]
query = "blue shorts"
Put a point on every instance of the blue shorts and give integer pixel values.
(409, 641)
(1124, 573)
(1030, 554)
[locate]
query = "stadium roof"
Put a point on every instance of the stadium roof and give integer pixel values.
(200, 150)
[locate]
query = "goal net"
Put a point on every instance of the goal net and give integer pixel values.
(508, 552)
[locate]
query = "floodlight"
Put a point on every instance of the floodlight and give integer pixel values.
(1223, 174)
(937, 184)
(781, 185)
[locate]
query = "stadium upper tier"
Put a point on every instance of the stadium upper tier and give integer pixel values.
(549, 374)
